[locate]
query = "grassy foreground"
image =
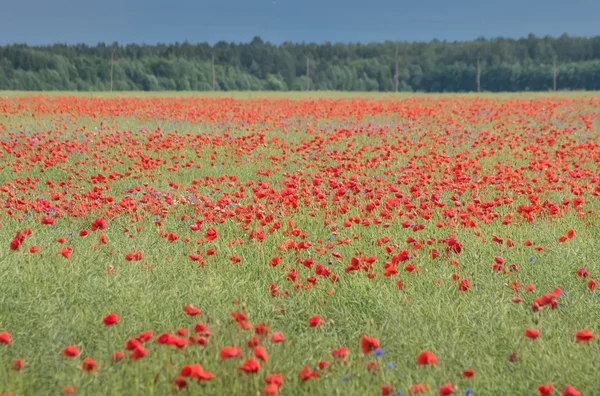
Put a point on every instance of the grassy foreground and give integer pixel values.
(152, 168)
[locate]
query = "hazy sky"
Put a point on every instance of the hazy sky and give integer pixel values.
(152, 21)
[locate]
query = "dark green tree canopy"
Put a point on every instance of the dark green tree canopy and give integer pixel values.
(524, 64)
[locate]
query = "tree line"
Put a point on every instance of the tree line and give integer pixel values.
(525, 64)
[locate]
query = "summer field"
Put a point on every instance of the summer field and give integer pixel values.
(295, 246)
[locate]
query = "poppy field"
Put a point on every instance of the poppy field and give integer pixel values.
(336, 246)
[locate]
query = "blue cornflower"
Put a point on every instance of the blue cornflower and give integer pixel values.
(468, 391)
(346, 378)
(390, 365)
(378, 352)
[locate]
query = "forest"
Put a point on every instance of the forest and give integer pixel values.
(526, 64)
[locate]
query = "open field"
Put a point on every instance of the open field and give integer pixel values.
(459, 226)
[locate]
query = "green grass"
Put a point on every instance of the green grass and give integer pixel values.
(48, 302)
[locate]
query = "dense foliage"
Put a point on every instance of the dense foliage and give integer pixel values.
(506, 65)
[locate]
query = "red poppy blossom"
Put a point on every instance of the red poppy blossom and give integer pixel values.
(368, 344)
(469, 373)
(180, 383)
(138, 353)
(583, 336)
(260, 353)
(276, 379)
(545, 390)
(99, 224)
(386, 390)
(277, 337)
(191, 310)
(315, 321)
(445, 390)
(307, 374)
(427, 357)
(117, 356)
(271, 390)
(5, 338)
(418, 388)
(18, 364)
(88, 364)
(229, 352)
(530, 333)
(71, 351)
(111, 319)
(211, 234)
(250, 366)
(570, 391)
(339, 353)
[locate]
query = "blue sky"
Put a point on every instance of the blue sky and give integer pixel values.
(151, 21)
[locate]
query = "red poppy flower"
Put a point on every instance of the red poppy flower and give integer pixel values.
(530, 333)
(271, 390)
(468, 373)
(275, 379)
(445, 390)
(592, 285)
(99, 224)
(250, 366)
(211, 234)
(418, 388)
(315, 321)
(427, 357)
(71, 351)
(191, 310)
(583, 336)
(339, 353)
(88, 364)
(138, 353)
(229, 352)
(5, 338)
(180, 383)
(275, 261)
(111, 319)
(68, 390)
(18, 365)
(307, 374)
(368, 344)
(276, 337)
(117, 356)
(253, 342)
(570, 391)
(545, 390)
(260, 353)
(386, 390)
